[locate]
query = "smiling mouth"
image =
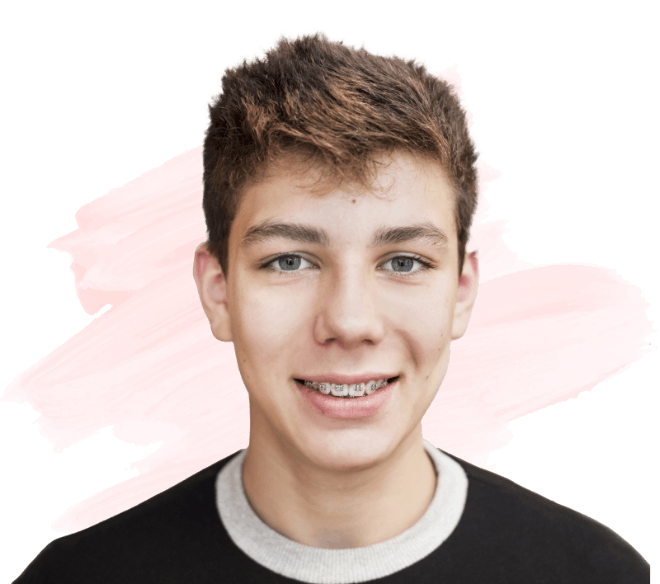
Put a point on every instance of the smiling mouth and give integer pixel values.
(347, 390)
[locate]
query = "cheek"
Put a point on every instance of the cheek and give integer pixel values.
(424, 327)
(425, 318)
(265, 322)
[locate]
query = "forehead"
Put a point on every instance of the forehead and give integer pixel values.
(405, 191)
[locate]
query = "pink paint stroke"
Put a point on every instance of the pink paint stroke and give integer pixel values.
(151, 370)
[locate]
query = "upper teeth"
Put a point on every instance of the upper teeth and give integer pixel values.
(347, 390)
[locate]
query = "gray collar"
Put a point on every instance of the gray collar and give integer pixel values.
(330, 566)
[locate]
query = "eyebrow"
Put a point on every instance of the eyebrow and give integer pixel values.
(272, 229)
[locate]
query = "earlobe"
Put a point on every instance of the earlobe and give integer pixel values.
(466, 294)
(212, 289)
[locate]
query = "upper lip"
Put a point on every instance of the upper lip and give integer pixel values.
(347, 379)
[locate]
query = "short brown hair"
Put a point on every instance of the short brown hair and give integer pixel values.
(339, 108)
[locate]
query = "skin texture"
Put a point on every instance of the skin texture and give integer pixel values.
(345, 308)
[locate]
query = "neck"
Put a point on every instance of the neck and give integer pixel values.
(339, 509)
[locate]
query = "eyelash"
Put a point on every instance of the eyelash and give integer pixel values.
(426, 265)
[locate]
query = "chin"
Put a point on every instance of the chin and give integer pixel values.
(349, 449)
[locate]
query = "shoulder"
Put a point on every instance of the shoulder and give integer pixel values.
(515, 526)
(139, 540)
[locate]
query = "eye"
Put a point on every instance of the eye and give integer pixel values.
(402, 265)
(289, 262)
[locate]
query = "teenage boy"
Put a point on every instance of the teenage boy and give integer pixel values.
(339, 189)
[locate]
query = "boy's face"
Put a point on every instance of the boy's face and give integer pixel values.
(348, 307)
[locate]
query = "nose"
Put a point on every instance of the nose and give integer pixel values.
(348, 312)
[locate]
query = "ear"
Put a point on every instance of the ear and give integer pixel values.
(212, 289)
(466, 294)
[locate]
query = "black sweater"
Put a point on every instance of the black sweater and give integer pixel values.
(506, 534)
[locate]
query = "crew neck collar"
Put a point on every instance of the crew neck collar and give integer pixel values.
(342, 566)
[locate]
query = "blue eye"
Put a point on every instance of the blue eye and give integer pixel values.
(290, 262)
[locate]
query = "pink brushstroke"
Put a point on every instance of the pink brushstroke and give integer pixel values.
(150, 368)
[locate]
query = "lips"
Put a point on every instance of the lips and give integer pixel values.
(342, 406)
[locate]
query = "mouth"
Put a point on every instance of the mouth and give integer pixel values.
(347, 391)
